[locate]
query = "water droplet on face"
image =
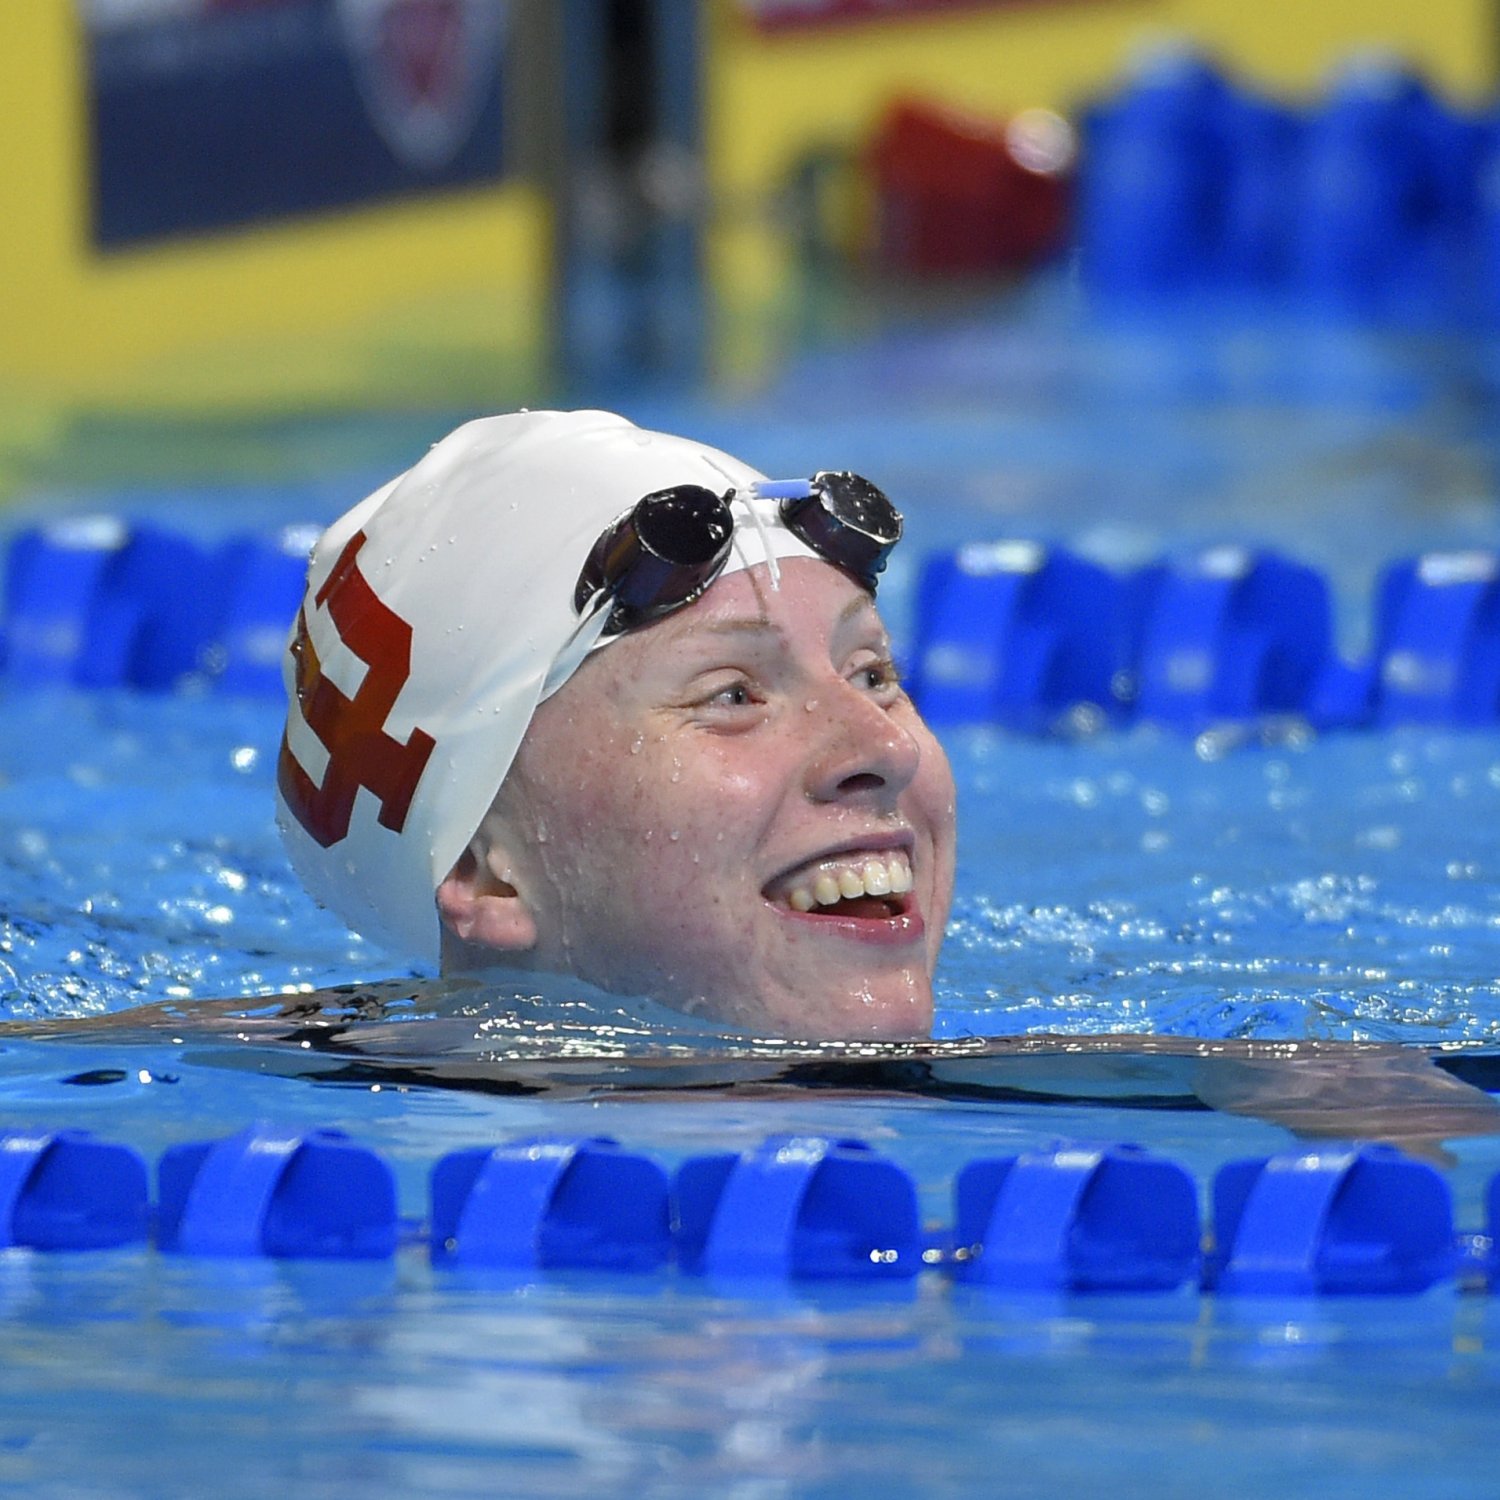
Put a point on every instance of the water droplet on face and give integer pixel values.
(541, 831)
(636, 743)
(675, 834)
(810, 705)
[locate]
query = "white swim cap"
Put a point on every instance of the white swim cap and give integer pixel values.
(438, 614)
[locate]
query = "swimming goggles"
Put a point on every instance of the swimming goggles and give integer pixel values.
(673, 543)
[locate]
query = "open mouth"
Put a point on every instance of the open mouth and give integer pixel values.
(859, 887)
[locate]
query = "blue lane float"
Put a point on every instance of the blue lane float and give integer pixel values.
(1362, 1219)
(1223, 635)
(65, 1190)
(1155, 158)
(1017, 633)
(95, 602)
(1437, 635)
(279, 1193)
(1366, 204)
(1068, 1218)
(1012, 632)
(550, 1202)
(1228, 634)
(1077, 1218)
(53, 576)
(263, 580)
(801, 1207)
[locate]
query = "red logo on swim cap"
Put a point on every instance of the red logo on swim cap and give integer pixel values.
(352, 730)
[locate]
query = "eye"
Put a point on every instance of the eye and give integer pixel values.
(736, 695)
(879, 677)
(729, 693)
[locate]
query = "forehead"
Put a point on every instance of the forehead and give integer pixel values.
(806, 602)
(813, 609)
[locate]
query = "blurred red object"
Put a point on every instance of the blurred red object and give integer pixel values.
(964, 194)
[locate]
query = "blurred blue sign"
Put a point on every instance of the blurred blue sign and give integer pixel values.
(206, 114)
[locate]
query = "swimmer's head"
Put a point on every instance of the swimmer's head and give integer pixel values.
(506, 674)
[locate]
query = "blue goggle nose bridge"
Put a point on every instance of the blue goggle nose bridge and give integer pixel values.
(673, 543)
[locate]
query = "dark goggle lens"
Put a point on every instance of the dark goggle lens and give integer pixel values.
(674, 543)
(687, 527)
(659, 557)
(847, 520)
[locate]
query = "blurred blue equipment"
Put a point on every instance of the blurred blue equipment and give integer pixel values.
(1263, 143)
(65, 1190)
(797, 1206)
(1227, 634)
(94, 602)
(1077, 1218)
(1017, 633)
(1354, 1219)
(1154, 162)
(53, 574)
(1437, 640)
(1384, 195)
(277, 1192)
(550, 1202)
(263, 582)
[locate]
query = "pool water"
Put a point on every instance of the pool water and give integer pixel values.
(1240, 885)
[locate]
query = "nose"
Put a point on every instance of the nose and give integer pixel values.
(861, 752)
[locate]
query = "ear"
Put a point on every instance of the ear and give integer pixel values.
(480, 909)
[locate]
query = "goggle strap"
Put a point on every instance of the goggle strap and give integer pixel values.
(758, 521)
(585, 636)
(782, 489)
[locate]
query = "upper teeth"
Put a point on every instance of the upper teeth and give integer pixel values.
(890, 876)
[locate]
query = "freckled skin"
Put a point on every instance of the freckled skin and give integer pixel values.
(688, 765)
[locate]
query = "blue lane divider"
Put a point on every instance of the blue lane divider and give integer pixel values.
(1067, 1218)
(53, 575)
(1438, 640)
(1369, 202)
(1077, 1218)
(1223, 635)
(1359, 1219)
(798, 1206)
(268, 1191)
(1229, 634)
(94, 602)
(1018, 633)
(550, 1202)
(1012, 632)
(263, 583)
(68, 1191)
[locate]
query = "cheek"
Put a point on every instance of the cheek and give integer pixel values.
(655, 809)
(934, 797)
(691, 826)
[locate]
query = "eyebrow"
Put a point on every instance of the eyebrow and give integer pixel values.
(758, 624)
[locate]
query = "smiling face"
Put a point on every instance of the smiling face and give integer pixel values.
(736, 811)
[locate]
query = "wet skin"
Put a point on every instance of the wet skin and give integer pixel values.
(696, 783)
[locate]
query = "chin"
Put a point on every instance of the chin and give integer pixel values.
(862, 1016)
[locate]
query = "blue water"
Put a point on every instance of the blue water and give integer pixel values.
(1238, 885)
